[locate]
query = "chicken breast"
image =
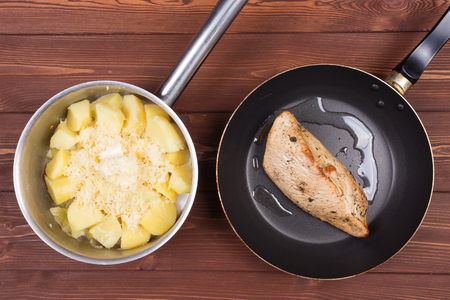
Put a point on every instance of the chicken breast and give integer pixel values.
(310, 176)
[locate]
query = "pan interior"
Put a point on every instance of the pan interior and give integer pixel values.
(281, 233)
(354, 145)
(31, 191)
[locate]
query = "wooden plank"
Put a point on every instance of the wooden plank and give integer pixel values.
(207, 242)
(438, 126)
(217, 285)
(165, 16)
(235, 67)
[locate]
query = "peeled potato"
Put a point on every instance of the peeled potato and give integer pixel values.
(60, 215)
(160, 218)
(107, 232)
(163, 188)
(155, 110)
(181, 179)
(63, 138)
(59, 188)
(134, 239)
(178, 158)
(164, 134)
(78, 115)
(55, 167)
(51, 153)
(134, 112)
(149, 194)
(115, 100)
(109, 116)
(79, 220)
(116, 113)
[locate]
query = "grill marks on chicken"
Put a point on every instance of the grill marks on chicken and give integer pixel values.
(311, 177)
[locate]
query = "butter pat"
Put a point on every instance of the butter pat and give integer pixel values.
(117, 168)
(112, 152)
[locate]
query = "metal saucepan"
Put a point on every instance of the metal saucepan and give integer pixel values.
(29, 160)
(375, 133)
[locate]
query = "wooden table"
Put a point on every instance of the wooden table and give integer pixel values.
(47, 46)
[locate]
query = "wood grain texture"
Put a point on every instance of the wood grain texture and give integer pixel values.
(213, 285)
(47, 46)
(167, 16)
(237, 65)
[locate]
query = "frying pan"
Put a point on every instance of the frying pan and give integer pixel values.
(371, 129)
(29, 185)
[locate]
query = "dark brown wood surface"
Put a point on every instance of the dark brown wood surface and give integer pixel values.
(49, 45)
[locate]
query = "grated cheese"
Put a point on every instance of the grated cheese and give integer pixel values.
(114, 172)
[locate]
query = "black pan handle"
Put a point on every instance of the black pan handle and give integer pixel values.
(408, 71)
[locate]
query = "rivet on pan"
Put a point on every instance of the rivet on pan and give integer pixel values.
(374, 87)
(380, 103)
(255, 162)
(399, 106)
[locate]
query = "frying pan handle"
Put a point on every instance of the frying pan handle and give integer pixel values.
(408, 71)
(218, 22)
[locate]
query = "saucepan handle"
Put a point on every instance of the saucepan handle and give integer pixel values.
(408, 71)
(218, 22)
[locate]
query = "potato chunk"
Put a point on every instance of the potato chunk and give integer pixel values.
(134, 239)
(149, 194)
(107, 232)
(59, 189)
(165, 134)
(178, 158)
(79, 220)
(153, 109)
(63, 138)
(55, 167)
(134, 112)
(78, 115)
(51, 153)
(60, 215)
(181, 179)
(115, 100)
(160, 218)
(109, 116)
(163, 188)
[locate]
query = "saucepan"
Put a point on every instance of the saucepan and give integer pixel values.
(29, 160)
(370, 127)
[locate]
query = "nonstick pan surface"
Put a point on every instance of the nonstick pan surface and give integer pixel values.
(375, 133)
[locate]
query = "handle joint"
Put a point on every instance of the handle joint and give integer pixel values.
(399, 82)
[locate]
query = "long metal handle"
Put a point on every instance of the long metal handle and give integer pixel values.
(218, 22)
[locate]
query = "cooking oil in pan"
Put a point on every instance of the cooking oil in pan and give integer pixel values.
(342, 134)
(266, 198)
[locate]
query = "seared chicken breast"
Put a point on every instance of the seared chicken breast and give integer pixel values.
(310, 176)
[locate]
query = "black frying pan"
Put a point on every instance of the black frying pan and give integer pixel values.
(372, 130)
